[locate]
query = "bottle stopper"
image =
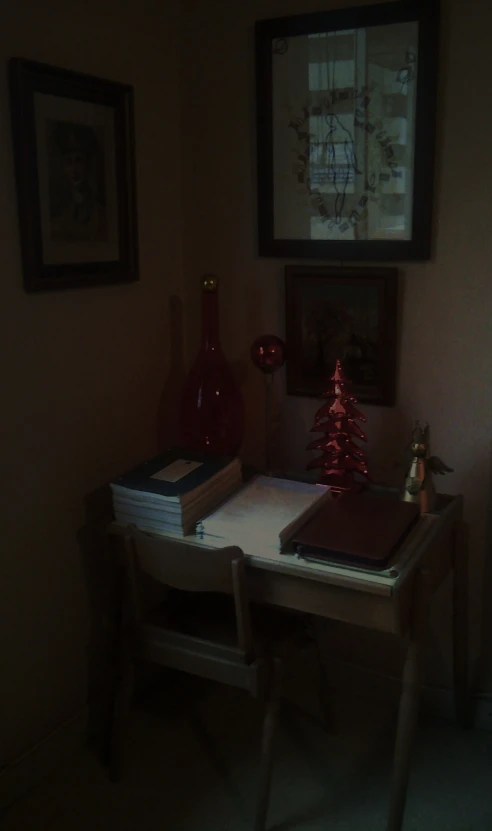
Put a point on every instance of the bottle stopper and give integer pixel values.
(210, 282)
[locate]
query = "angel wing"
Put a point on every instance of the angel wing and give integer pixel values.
(437, 465)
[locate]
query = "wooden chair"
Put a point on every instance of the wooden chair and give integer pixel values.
(153, 637)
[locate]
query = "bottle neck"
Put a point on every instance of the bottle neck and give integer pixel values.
(210, 320)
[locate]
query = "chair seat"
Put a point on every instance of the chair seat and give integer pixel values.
(211, 617)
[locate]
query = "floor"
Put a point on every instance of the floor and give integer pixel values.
(192, 751)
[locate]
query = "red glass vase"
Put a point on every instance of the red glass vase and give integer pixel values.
(212, 408)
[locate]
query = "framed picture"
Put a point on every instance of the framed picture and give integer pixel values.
(345, 313)
(74, 156)
(346, 112)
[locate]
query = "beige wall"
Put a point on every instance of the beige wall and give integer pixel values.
(445, 331)
(81, 371)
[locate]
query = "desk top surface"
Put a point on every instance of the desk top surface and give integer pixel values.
(382, 582)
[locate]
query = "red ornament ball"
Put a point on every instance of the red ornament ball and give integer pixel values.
(268, 353)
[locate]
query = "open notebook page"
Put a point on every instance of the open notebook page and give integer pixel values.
(268, 510)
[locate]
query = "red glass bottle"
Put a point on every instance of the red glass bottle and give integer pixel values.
(212, 408)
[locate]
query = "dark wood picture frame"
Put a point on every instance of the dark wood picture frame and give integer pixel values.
(340, 302)
(272, 40)
(108, 254)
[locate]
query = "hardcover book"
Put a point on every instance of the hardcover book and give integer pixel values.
(360, 529)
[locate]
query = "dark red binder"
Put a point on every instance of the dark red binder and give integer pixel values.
(357, 529)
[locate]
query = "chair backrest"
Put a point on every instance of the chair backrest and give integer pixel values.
(188, 567)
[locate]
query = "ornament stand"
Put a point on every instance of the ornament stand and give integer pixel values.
(268, 422)
(268, 355)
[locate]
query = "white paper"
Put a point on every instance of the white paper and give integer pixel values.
(258, 514)
(176, 470)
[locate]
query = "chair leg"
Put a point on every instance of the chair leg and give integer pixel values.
(267, 745)
(120, 716)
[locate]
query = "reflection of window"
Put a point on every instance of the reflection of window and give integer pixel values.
(322, 75)
(332, 152)
(332, 60)
(361, 102)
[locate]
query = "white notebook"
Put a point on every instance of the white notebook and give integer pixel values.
(264, 513)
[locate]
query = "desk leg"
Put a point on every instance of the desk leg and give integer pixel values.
(325, 691)
(269, 729)
(460, 624)
(409, 703)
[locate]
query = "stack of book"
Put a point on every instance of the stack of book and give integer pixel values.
(264, 514)
(171, 492)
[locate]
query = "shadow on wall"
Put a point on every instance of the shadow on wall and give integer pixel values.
(169, 404)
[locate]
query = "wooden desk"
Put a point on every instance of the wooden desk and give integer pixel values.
(395, 601)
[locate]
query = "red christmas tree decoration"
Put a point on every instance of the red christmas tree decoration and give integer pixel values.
(341, 458)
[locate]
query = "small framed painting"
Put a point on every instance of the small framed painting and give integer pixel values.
(74, 157)
(346, 116)
(345, 313)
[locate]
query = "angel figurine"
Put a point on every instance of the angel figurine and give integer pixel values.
(419, 487)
